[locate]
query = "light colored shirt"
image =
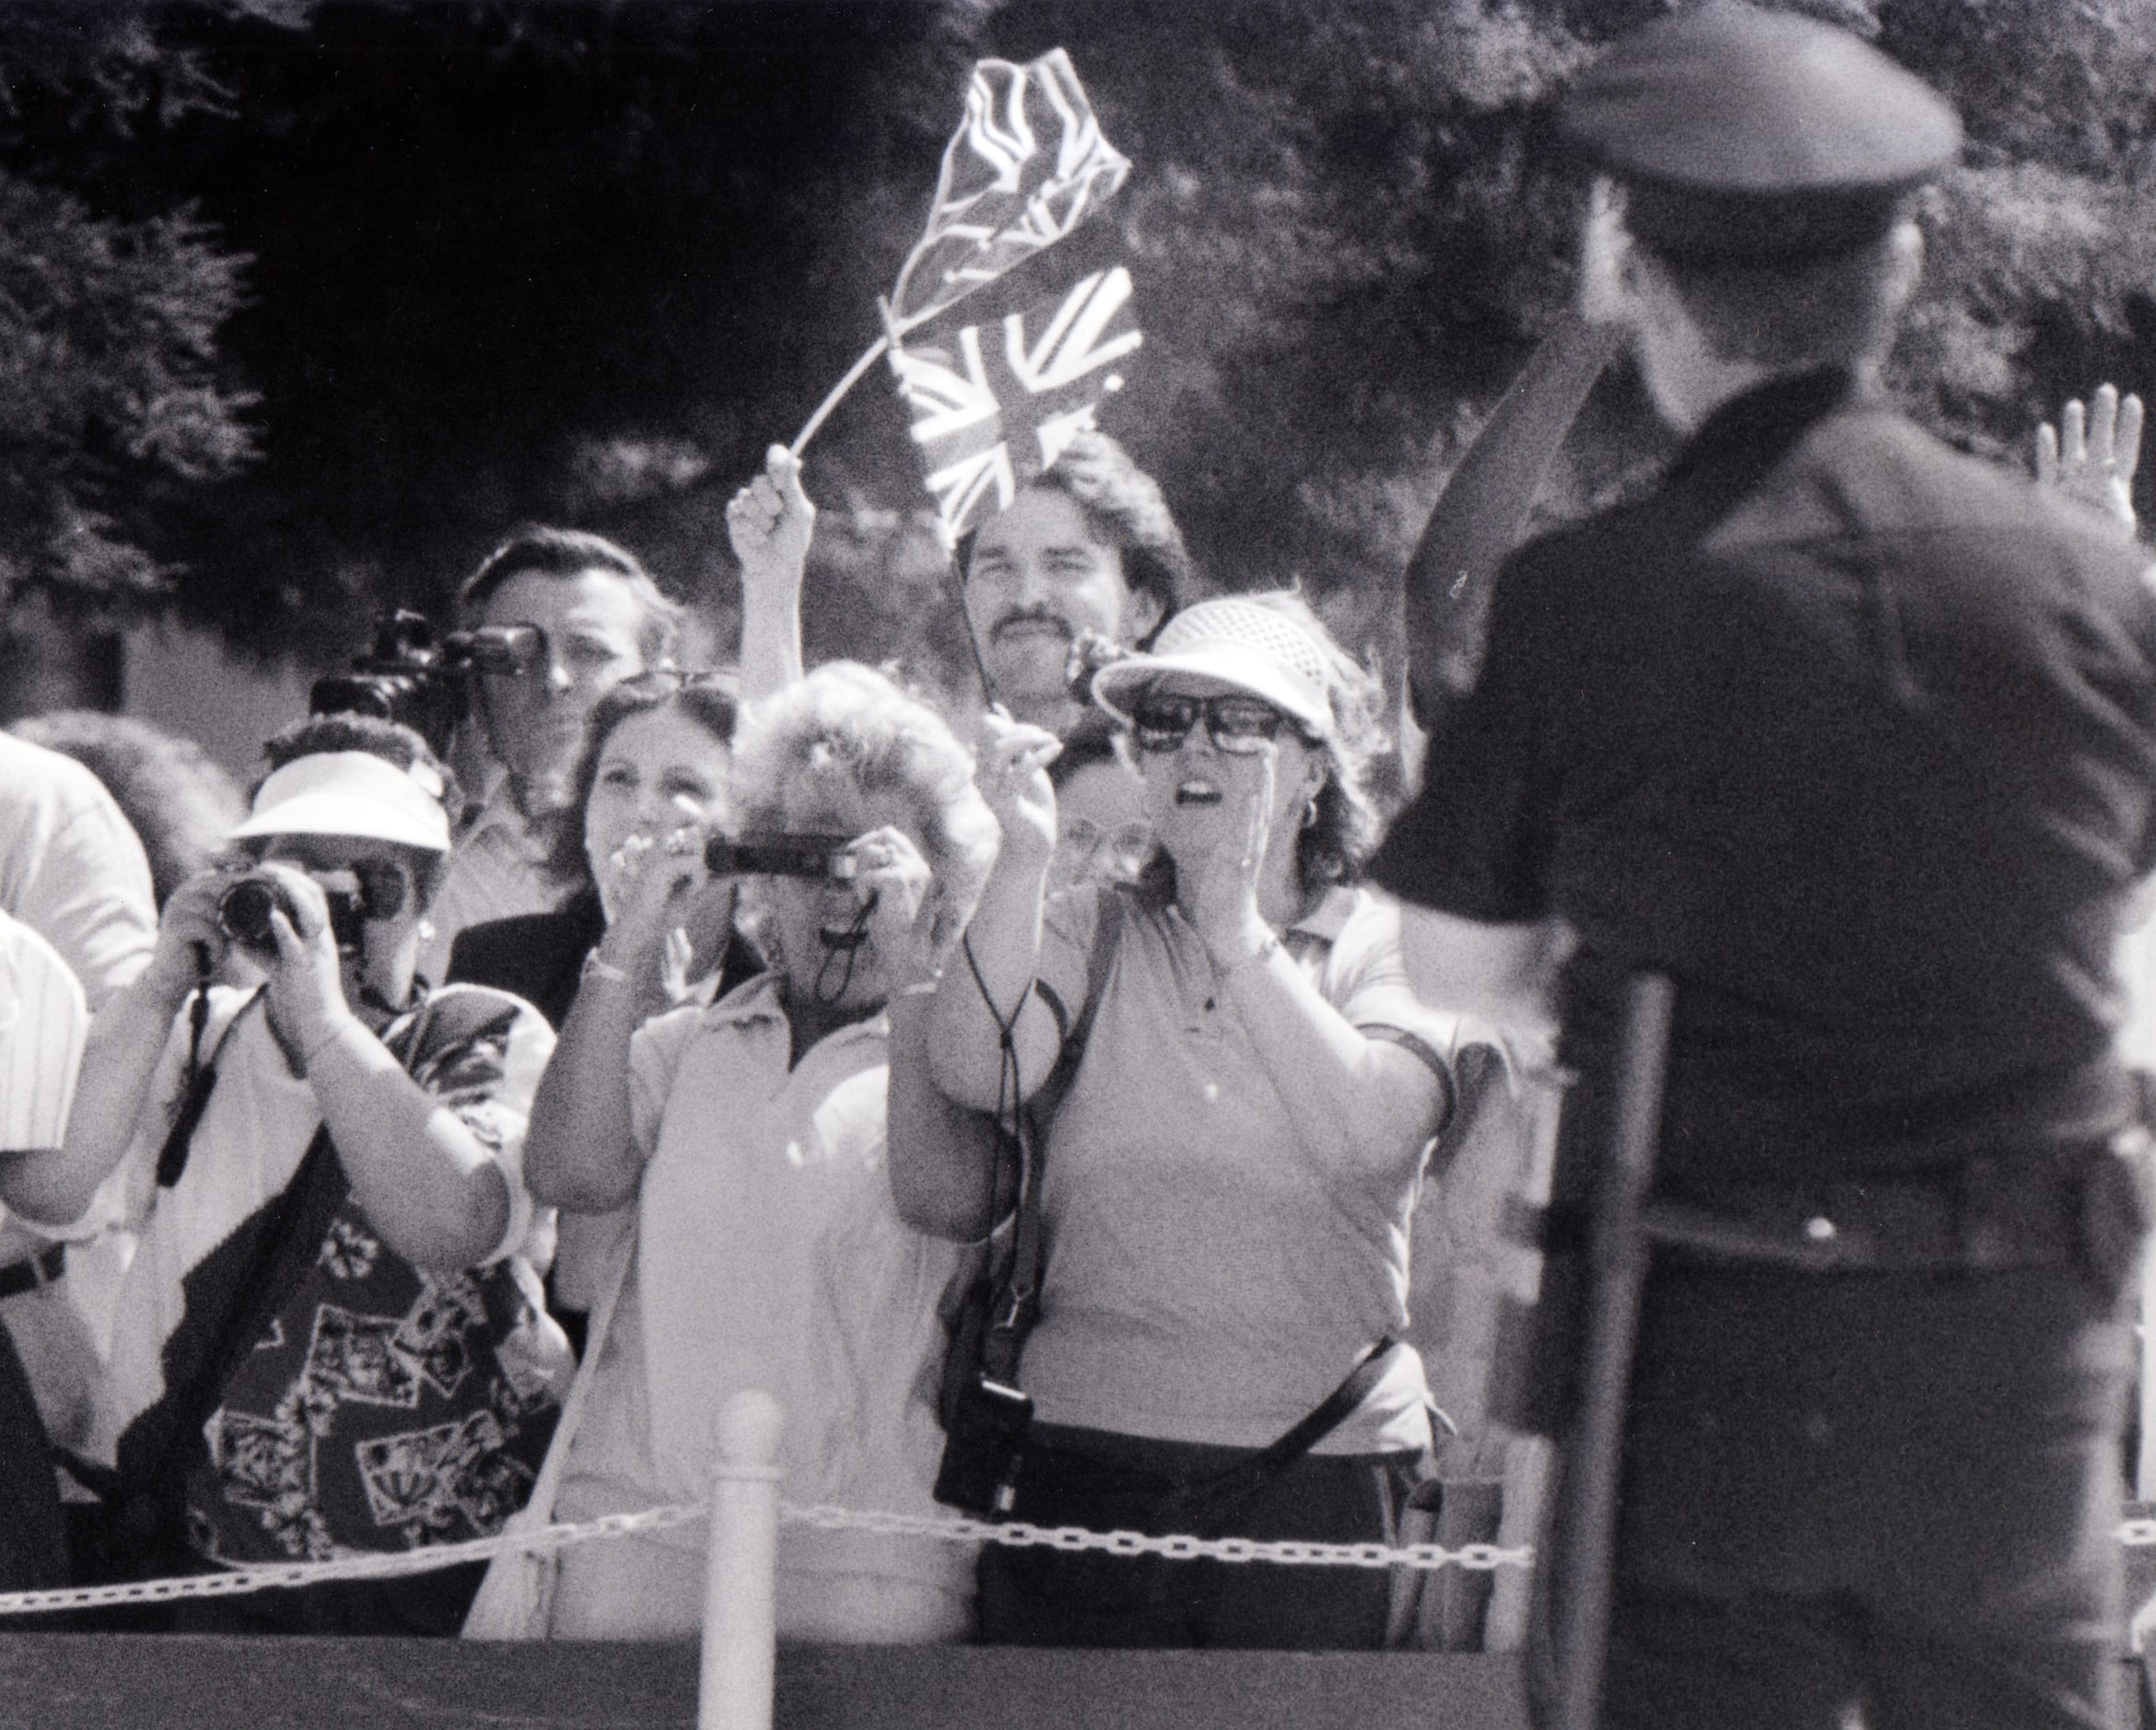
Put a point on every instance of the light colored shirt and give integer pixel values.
(72, 870)
(1207, 1280)
(73, 874)
(43, 1023)
(498, 869)
(768, 1256)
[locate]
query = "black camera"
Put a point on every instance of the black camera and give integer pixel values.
(409, 677)
(984, 1446)
(1090, 651)
(244, 910)
(820, 856)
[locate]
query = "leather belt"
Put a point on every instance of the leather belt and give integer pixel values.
(42, 1268)
(1985, 1215)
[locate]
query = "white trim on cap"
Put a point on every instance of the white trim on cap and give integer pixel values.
(352, 793)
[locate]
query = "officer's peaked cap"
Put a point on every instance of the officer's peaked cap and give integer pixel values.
(1751, 136)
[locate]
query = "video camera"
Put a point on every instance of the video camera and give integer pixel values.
(409, 677)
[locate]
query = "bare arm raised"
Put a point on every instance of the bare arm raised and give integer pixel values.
(770, 522)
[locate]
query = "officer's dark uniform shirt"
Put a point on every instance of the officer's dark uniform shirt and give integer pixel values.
(1856, 738)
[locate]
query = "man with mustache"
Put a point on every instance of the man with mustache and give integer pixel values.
(1089, 546)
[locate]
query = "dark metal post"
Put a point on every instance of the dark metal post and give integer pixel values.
(1583, 1533)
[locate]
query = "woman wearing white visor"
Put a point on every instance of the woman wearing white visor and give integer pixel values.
(329, 1341)
(1227, 1179)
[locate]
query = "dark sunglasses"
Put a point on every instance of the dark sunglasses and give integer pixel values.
(1239, 726)
(384, 887)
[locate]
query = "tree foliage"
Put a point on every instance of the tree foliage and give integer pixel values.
(108, 385)
(582, 262)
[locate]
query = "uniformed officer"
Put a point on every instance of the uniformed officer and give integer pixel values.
(1854, 737)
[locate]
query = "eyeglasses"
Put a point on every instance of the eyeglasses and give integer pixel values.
(1239, 726)
(1092, 853)
(382, 888)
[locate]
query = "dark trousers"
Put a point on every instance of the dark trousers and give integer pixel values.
(1890, 1494)
(1046, 1597)
(33, 1541)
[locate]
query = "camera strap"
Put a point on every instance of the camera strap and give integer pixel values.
(201, 1079)
(1016, 1301)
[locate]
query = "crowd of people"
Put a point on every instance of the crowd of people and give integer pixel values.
(1028, 1085)
(356, 1260)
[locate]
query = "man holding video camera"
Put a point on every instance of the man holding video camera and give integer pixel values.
(598, 619)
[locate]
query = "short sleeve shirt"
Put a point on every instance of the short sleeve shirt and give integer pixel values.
(322, 1443)
(1207, 1280)
(769, 1254)
(72, 870)
(1853, 736)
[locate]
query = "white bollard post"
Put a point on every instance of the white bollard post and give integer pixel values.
(740, 1593)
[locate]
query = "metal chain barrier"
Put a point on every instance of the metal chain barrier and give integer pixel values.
(2138, 1533)
(1018, 1535)
(270, 1576)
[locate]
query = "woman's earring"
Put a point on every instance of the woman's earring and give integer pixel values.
(426, 930)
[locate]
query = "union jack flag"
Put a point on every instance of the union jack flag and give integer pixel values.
(994, 405)
(1003, 194)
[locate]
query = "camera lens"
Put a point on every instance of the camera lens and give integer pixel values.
(244, 912)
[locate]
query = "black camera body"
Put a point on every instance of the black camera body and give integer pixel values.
(812, 856)
(411, 677)
(244, 910)
(984, 1446)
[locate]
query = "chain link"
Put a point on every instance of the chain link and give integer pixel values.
(949, 1529)
(1175, 1547)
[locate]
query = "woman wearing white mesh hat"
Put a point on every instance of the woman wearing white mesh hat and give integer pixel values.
(1226, 1181)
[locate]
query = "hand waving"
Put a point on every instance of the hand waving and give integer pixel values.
(2090, 455)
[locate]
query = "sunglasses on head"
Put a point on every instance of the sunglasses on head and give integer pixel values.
(1237, 725)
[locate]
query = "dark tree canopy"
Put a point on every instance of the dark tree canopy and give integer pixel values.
(303, 305)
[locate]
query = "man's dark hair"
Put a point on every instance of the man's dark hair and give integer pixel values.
(1820, 312)
(1123, 508)
(536, 550)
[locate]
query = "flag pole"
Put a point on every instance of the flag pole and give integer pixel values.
(837, 394)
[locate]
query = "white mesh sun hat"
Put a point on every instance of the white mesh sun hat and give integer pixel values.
(1240, 642)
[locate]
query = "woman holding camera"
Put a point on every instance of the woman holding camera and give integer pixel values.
(329, 1341)
(656, 754)
(750, 1137)
(1227, 1176)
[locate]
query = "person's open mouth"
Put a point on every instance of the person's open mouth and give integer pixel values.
(849, 936)
(1197, 793)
